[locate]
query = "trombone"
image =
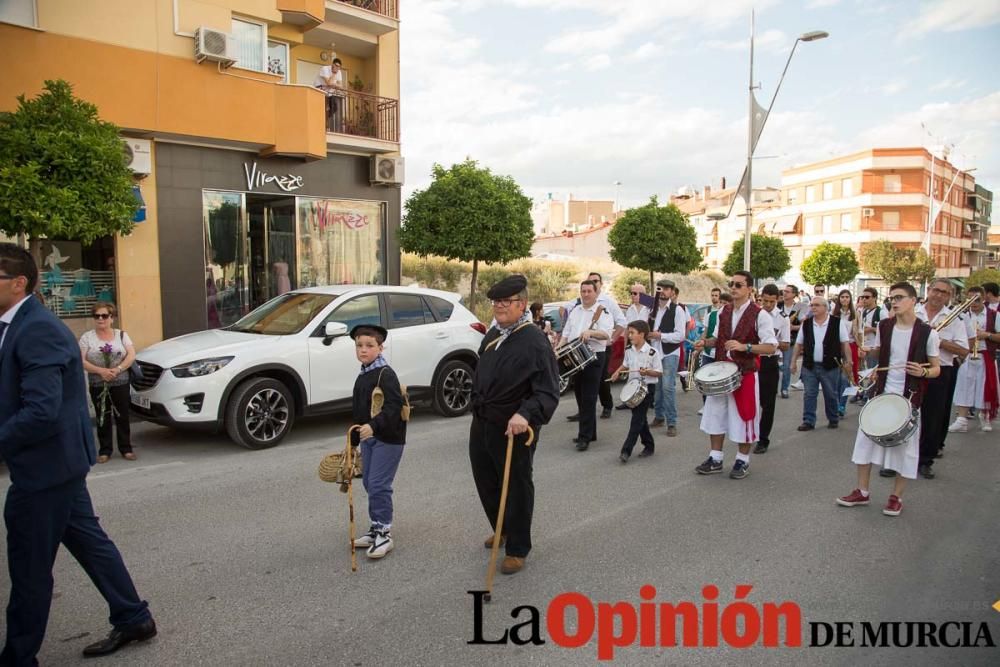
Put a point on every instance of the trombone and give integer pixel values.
(957, 312)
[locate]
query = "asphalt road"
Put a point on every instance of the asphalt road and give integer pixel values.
(243, 555)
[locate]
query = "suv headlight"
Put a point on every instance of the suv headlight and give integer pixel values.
(200, 367)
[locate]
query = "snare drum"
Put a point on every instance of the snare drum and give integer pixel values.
(719, 377)
(888, 420)
(573, 356)
(634, 392)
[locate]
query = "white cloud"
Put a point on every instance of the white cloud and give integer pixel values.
(893, 87)
(646, 51)
(948, 84)
(951, 16)
(774, 41)
(597, 62)
(817, 4)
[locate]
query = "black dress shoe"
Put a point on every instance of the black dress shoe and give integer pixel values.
(119, 637)
(645, 453)
(623, 457)
(760, 449)
(806, 427)
(606, 413)
(573, 418)
(832, 424)
(885, 472)
(926, 472)
(581, 444)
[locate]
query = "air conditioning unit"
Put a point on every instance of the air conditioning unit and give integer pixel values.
(867, 212)
(214, 45)
(387, 170)
(138, 156)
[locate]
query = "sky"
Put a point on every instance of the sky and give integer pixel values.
(570, 96)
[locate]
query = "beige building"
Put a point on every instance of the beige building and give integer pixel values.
(880, 193)
(573, 227)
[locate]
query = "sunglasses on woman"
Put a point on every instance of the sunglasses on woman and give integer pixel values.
(102, 316)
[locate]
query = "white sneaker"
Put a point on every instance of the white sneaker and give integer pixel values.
(960, 425)
(985, 424)
(382, 544)
(365, 540)
(797, 385)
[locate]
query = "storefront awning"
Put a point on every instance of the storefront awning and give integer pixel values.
(140, 213)
(786, 224)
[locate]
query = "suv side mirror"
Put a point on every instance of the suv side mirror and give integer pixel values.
(333, 330)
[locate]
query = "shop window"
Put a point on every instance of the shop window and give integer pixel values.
(251, 40)
(225, 293)
(340, 242)
(73, 277)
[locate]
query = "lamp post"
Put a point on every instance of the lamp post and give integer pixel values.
(754, 131)
(617, 185)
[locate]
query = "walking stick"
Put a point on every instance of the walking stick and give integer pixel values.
(350, 496)
(503, 506)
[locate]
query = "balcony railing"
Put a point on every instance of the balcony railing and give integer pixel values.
(389, 8)
(363, 115)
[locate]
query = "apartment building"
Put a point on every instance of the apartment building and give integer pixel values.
(880, 193)
(572, 227)
(249, 187)
(985, 245)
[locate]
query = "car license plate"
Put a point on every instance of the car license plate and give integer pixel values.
(141, 401)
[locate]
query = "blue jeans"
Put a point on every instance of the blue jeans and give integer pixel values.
(379, 462)
(812, 378)
(666, 406)
(786, 367)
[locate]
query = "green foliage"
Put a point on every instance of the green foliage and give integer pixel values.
(830, 264)
(62, 170)
(547, 281)
(895, 264)
(769, 257)
(621, 288)
(980, 276)
(656, 239)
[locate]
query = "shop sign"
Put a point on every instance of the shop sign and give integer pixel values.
(258, 179)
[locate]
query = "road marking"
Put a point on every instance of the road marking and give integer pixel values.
(996, 605)
(116, 473)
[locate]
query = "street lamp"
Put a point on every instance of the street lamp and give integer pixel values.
(617, 184)
(756, 129)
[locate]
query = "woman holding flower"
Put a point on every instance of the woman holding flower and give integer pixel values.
(107, 354)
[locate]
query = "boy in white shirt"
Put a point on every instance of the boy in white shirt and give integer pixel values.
(642, 361)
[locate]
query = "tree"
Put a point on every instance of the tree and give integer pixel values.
(830, 264)
(655, 238)
(980, 276)
(62, 170)
(768, 257)
(894, 264)
(469, 214)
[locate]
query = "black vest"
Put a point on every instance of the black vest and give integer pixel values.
(832, 352)
(666, 324)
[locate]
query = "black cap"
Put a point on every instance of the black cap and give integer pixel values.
(510, 286)
(665, 282)
(380, 330)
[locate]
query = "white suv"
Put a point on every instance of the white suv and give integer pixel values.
(292, 357)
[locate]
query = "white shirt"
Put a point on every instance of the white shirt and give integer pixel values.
(326, 72)
(867, 320)
(610, 306)
(635, 312)
(819, 333)
(782, 330)
(895, 383)
(8, 317)
(579, 320)
(675, 337)
(645, 357)
(765, 325)
(954, 332)
(971, 320)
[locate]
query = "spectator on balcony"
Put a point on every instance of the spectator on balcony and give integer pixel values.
(330, 79)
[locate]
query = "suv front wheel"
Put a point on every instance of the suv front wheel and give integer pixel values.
(260, 413)
(453, 390)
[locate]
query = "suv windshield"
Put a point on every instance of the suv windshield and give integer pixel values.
(287, 314)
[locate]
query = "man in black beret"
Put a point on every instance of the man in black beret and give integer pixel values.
(515, 385)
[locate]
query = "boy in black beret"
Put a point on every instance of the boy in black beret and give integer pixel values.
(381, 437)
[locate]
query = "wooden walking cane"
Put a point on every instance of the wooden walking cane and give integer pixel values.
(503, 506)
(350, 496)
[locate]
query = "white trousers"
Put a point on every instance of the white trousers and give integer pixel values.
(902, 458)
(970, 386)
(720, 416)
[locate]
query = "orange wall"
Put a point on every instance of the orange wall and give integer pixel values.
(141, 90)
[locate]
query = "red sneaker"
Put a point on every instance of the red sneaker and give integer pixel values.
(893, 507)
(855, 498)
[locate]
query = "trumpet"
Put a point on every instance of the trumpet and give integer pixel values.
(974, 353)
(957, 312)
(692, 366)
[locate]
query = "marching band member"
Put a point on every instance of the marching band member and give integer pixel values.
(745, 331)
(824, 344)
(845, 312)
(796, 311)
(871, 315)
(667, 329)
(641, 362)
(515, 385)
(610, 306)
(591, 323)
(903, 344)
(954, 344)
(976, 384)
(769, 371)
(709, 322)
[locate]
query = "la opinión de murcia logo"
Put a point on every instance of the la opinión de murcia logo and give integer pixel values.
(257, 179)
(737, 623)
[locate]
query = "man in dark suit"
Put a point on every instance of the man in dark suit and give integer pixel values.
(47, 442)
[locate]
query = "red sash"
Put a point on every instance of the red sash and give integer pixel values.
(990, 398)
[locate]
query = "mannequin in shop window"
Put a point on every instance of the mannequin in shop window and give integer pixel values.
(279, 273)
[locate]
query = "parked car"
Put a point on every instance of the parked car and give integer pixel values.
(292, 357)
